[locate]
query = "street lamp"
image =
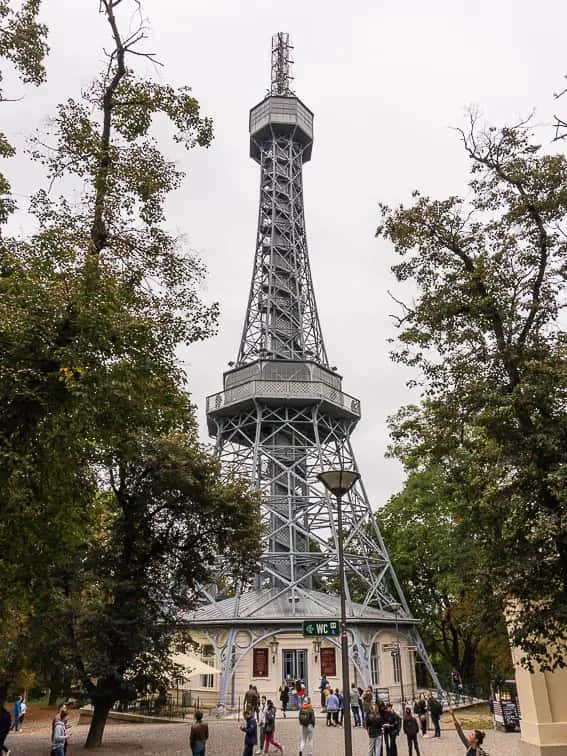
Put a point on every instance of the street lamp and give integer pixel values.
(395, 607)
(339, 483)
(274, 645)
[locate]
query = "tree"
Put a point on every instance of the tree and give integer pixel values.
(486, 335)
(445, 578)
(22, 43)
(113, 511)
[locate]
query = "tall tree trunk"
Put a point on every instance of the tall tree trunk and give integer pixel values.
(98, 723)
(53, 695)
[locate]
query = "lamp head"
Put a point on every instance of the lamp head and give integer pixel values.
(338, 482)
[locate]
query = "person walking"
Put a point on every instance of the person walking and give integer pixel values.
(322, 687)
(435, 709)
(332, 710)
(391, 729)
(307, 724)
(250, 730)
(473, 743)
(5, 726)
(420, 710)
(270, 729)
(366, 702)
(17, 713)
(373, 723)
(60, 736)
(250, 699)
(355, 705)
(261, 724)
(411, 729)
(284, 698)
(199, 735)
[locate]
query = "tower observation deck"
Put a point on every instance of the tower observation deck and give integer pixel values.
(281, 418)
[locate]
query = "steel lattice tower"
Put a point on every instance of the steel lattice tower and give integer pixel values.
(283, 417)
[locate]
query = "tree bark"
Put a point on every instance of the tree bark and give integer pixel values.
(98, 723)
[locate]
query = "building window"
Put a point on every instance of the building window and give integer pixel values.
(328, 662)
(374, 670)
(207, 657)
(260, 662)
(397, 666)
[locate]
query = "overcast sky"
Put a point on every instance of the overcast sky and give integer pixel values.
(386, 81)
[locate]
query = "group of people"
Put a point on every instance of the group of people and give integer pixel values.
(259, 727)
(12, 723)
(60, 726)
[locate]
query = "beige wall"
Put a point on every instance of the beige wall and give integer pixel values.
(543, 703)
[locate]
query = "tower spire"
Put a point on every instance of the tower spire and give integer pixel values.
(281, 65)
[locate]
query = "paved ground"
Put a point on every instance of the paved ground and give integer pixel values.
(226, 740)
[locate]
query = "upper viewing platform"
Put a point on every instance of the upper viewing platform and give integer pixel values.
(277, 115)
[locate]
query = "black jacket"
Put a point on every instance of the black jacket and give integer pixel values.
(411, 726)
(435, 707)
(5, 723)
(374, 724)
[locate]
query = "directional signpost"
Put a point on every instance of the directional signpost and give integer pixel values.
(313, 629)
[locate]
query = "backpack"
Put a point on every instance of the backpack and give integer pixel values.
(305, 717)
(270, 724)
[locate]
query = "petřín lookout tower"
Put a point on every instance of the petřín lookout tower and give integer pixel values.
(282, 418)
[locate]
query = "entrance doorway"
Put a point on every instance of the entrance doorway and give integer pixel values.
(294, 665)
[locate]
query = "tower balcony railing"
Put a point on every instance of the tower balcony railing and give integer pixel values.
(286, 391)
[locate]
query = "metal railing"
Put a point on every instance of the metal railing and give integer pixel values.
(283, 390)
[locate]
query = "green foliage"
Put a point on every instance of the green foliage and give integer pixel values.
(445, 578)
(113, 511)
(486, 334)
(22, 43)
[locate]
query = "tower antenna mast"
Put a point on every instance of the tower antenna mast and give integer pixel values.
(281, 65)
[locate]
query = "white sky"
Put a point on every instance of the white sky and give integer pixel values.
(386, 81)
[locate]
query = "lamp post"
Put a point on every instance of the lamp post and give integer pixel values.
(339, 483)
(395, 607)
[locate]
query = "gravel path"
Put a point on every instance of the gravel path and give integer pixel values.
(226, 740)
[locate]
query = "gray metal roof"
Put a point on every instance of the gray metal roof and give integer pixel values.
(265, 606)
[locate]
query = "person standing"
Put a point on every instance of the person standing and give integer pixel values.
(411, 729)
(17, 713)
(199, 735)
(473, 743)
(270, 729)
(457, 681)
(60, 736)
(435, 709)
(250, 730)
(420, 709)
(355, 705)
(366, 702)
(341, 706)
(391, 729)
(307, 723)
(23, 709)
(5, 725)
(373, 723)
(322, 687)
(332, 709)
(284, 698)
